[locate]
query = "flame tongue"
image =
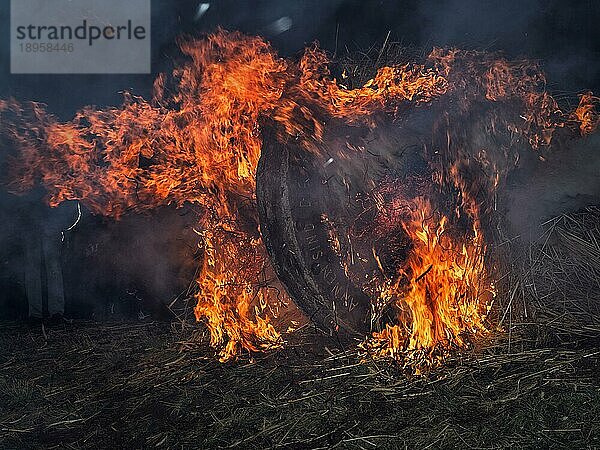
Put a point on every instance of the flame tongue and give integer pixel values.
(232, 302)
(199, 141)
(442, 291)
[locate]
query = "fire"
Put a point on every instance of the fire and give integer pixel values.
(239, 324)
(585, 114)
(390, 87)
(442, 292)
(198, 140)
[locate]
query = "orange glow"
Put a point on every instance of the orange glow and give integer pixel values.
(443, 291)
(586, 114)
(199, 141)
(232, 302)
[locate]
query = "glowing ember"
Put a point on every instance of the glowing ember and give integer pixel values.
(199, 141)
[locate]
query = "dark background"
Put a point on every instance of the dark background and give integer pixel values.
(565, 36)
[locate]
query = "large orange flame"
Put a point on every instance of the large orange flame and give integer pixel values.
(443, 291)
(199, 140)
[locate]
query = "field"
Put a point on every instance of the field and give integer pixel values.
(534, 383)
(133, 386)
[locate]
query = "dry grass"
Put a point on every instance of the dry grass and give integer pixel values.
(535, 385)
(131, 386)
(551, 288)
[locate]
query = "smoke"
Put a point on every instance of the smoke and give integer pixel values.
(567, 181)
(564, 37)
(144, 251)
(133, 267)
(566, 40)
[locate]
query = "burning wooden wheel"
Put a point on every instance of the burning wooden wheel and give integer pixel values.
(316, 218)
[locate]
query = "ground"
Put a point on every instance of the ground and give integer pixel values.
(132, 385)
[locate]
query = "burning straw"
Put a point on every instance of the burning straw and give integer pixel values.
(199, 140)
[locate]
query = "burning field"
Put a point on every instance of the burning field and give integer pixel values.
(401, 209)
(358, 280)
